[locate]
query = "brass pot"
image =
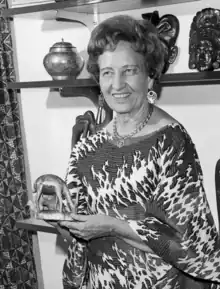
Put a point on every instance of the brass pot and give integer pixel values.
(63, 61)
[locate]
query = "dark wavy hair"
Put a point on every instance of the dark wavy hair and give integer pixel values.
(141, 33)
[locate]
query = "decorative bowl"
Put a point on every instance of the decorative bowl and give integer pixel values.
(63, 61)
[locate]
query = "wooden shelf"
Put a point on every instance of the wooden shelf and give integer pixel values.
(67, 88)
(53, 84)
(74, 87)
(36, 225)
(89, 6)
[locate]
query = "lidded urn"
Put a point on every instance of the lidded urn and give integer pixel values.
(63, 61)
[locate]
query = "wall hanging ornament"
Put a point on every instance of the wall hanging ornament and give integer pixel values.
(63, 61)
(168, 28)
(204, 40)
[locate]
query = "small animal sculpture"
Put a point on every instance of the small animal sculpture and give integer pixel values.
(52, 201)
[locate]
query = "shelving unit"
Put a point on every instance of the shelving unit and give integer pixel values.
(91, 6)
(73, 87)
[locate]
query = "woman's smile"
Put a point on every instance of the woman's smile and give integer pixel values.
(121, 97)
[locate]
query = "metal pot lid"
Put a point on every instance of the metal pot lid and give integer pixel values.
(63, 44)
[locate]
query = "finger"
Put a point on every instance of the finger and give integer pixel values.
(74, 225)
(70, 225)
(75, 233)
(79, 235)
(79, 218)
(66, 224)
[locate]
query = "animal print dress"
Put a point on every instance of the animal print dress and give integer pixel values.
(155, 183)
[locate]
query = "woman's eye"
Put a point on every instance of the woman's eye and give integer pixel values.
(106, 73)
(130, 71)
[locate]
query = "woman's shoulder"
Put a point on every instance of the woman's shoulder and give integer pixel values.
(174, 131)
(161, 118)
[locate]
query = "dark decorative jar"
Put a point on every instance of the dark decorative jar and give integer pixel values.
(63, 61)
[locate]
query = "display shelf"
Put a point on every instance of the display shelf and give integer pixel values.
(191, 78)
(85, 86)
(80, 87)
(33, 224)
(53, 83)
(91, 6)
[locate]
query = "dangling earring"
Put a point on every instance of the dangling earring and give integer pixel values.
(100, 109)
(151, 96)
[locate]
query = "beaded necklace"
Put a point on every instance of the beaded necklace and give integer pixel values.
(120, 140)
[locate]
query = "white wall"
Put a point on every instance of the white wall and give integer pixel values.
(48, 118)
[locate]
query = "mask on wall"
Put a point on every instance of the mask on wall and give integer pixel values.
(168, 29)
(204, 40)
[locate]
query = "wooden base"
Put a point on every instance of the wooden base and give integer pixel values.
(33, 224)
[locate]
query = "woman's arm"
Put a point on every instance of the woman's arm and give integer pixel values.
(122, 230)
(75, 266)
(179, 226)
(90, 227)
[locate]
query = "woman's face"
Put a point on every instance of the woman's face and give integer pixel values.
(123, 78)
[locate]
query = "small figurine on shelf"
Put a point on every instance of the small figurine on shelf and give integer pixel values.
(63, 61)
(204, 44)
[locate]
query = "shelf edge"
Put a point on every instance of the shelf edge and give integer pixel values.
(80, 3)
(172, 79)
(52, 84)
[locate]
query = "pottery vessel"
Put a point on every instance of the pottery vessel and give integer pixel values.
(63, 61)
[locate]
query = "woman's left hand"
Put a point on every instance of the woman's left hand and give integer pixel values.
(89, 227)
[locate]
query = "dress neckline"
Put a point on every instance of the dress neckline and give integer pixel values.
(137, 139)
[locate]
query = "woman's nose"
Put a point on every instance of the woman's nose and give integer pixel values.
(118, 82)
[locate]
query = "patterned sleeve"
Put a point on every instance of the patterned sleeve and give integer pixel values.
(73, 180)
(179, 226)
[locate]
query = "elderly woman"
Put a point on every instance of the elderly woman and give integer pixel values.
(143, 220)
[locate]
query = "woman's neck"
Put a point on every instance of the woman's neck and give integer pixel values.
(128, 122)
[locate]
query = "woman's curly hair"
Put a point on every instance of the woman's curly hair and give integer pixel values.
(141, 33)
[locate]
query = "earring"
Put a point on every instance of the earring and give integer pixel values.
(151, 96)
(100, 109)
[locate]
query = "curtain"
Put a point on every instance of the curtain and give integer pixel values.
(17, 267)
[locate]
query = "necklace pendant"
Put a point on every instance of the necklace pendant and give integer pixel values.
(120, 143)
